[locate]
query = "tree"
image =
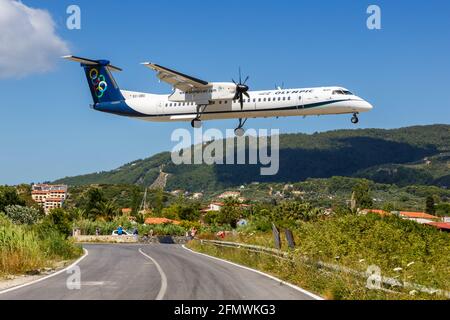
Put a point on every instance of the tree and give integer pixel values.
(77, 213)
(291, 212)
(9, 197)
(95, 198)
(429, 205)
(23, 215)
(229, 213)
(190, 213)
(58, 219)
(362, 196)
(157, 199)
(107, 210)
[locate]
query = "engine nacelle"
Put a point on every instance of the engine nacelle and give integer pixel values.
(213, 91)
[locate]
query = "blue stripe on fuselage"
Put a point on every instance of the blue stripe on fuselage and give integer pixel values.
(118, 107)
(123, 109)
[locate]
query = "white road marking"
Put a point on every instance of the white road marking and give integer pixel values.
(163, 289)
(49, 276)
(312, 295)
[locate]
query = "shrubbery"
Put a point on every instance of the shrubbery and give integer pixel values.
(23, 215)
(27, 247)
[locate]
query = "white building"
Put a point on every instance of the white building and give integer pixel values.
(49, 196)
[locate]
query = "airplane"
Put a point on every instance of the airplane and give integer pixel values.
(196, 100)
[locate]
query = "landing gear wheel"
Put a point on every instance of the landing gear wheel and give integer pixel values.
(196, 123)
(239, 132)
(355, 119)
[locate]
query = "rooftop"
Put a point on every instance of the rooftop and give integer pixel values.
(417, 215)
(440, 225)
(160, 221)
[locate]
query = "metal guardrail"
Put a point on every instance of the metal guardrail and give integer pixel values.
(391, 282)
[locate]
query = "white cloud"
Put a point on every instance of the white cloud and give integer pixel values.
(28, 43)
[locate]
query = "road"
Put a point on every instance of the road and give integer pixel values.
(156, 271)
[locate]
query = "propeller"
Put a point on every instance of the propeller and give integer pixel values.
(241, 89)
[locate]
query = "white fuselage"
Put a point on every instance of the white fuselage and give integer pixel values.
(270, 103)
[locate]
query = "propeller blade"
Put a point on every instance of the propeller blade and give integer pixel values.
(240, 78)
(245, 81)
(241, 100)
(246, 94)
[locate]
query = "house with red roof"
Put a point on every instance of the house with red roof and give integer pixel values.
(419, 217)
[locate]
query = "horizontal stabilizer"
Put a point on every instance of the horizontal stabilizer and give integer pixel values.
(92, 62)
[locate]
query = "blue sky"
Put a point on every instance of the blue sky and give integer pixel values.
(48, 131)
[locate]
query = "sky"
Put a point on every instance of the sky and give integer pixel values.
(48, 131)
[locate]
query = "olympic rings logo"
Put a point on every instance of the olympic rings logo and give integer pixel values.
(99, 82)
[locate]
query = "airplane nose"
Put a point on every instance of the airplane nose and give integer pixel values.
(368, 106)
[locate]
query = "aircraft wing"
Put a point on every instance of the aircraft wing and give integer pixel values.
(177, 79)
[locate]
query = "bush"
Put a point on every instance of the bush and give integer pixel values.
(211, 217)
(8, 197)
(57, 219)
(56, 246)
(24, 248)
(22, 215)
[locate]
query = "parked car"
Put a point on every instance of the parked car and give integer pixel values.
(124, 233)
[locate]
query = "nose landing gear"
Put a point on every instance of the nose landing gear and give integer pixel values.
(355, 119)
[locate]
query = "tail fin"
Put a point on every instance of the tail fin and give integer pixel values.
(102, 85)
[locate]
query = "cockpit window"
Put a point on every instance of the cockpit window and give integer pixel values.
(345, 92)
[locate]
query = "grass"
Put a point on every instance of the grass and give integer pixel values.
(23, 250)
(355, 242)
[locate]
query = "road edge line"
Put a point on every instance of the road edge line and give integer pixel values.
(293, 286)
(163, 289)
(86, 253)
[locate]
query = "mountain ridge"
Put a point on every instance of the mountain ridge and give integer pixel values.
(409, 155)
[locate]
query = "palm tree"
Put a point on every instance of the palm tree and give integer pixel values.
(107, 210)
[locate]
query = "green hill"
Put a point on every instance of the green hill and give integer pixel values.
(412, 155)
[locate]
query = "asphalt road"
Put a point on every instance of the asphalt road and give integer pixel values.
(156, 271)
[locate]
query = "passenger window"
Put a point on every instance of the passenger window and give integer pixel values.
(284, 98)
(259, 99)
(289, 98)
(264, 99)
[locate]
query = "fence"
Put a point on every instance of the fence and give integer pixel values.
(386, 281)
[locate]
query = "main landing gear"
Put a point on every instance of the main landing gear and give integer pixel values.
(240, 131)
(355, 119)
(196, 123)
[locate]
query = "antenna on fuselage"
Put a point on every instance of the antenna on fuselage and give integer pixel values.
(277, 87)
